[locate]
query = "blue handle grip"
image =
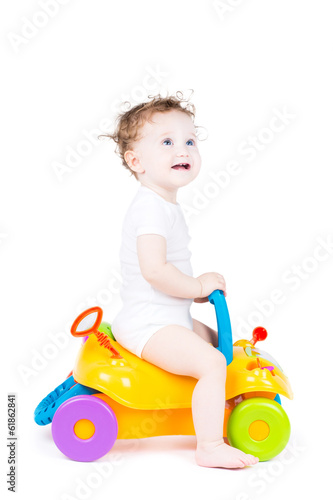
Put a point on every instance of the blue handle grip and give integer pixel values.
(223, 324)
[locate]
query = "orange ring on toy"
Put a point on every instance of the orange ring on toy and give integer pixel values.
(81, 317)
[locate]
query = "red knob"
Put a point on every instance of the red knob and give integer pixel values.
(258, 334)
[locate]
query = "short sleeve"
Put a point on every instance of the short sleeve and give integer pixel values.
(150, 216)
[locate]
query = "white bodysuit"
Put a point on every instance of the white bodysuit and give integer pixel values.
(146, 309)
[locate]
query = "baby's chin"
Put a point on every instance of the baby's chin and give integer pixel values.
(186, 179)
(181, 182)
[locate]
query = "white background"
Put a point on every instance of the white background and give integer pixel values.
(64, 73)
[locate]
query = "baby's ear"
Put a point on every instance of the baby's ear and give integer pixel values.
(133, 161)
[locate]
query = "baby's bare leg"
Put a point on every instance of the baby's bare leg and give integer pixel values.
(205, 332)
(181, 351)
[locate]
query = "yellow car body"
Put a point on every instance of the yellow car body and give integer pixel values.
(149, 401)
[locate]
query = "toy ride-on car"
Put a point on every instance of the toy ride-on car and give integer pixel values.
(113, 394)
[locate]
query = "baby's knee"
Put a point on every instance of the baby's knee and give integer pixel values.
(215, 363)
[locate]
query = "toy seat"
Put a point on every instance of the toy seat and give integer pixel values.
(130, 380)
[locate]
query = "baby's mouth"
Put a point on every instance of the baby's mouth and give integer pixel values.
(182, 166)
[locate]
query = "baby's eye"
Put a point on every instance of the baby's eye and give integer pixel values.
(168, 141)
(190, 140)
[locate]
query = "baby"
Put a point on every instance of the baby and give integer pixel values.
(157, 143)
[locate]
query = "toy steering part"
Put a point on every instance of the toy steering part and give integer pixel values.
(223, 324)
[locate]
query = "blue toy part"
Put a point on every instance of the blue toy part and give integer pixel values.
(44, 412)
(223, 324)
(278, 399)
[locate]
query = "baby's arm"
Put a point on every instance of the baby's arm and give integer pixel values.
(166, 277)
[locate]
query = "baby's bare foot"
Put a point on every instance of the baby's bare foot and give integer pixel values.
(220, 454)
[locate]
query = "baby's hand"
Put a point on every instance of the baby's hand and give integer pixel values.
(210, 282)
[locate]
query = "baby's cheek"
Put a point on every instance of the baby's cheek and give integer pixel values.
(198, 160)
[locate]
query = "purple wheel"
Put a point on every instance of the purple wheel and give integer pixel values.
(84, 428)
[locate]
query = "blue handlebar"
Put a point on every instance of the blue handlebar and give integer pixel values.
(223, 324)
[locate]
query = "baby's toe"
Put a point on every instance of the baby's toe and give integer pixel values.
(252, 460)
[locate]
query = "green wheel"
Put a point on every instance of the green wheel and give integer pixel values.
(259, 426)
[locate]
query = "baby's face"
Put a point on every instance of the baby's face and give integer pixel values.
(167, 153)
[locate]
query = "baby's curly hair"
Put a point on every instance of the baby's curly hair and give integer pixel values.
(129, 123)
